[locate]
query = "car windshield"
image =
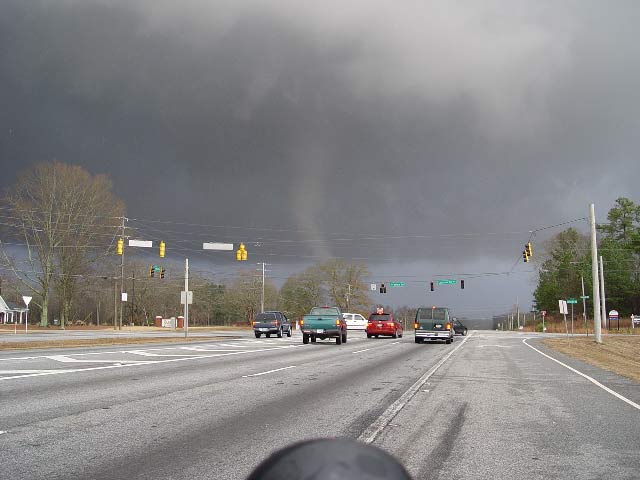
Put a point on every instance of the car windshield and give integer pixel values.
(324, 311)
(380, 318)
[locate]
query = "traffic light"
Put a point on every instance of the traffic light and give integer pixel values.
(383, 288)
(162, 247)
(432, 286)
(525, 257)
(162, 272)
(462, 284)
(528, 249)
(152, 271)
(120, 246)
(241, 253)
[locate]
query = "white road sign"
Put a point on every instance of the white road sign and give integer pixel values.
(189, 297)
(217, 246)
(141, 243)
(563, 307)
(614, 315)
(374, 287)
(26, 300)
(124, 296)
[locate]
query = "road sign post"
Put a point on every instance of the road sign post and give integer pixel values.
(26, 301)
(543, 313)
(572, 301)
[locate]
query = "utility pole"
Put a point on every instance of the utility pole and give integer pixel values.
(518, 311)
(594, 274)
(121, 277)
(604, 307)
(262, 297)
(133, 297)
(186, 297)
(115, 303)
(348, 295)
(584, 305)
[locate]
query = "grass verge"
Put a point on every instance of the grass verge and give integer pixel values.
(620, 355)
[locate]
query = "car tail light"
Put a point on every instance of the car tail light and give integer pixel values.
(447, 326)
(254, 323)
(338, 322)
(276, 323)
(415, 326)
(301, 322)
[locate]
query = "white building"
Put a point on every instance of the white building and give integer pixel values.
(11, 312)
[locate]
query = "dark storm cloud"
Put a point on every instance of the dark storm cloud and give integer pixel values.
(437, 117)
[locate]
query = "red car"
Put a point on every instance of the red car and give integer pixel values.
(381, 323)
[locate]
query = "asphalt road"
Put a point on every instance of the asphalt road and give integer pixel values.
(487, 406)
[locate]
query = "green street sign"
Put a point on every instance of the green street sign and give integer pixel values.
(584, 297)
(156, 268)
(447, 282)
(397, 284)
(572, 300)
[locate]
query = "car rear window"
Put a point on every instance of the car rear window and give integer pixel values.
(265, 317)
(385, 317)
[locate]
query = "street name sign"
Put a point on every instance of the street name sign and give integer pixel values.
(572, 300)
(447, 282)
(397, 284)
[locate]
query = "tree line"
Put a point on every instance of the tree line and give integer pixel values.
(566, 262)
(59, 227)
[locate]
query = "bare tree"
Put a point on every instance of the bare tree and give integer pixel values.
(67, 220)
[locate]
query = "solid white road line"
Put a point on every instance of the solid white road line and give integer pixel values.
(592, 380)
(370, 434)
(270, 371)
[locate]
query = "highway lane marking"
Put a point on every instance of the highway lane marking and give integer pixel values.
(499, 346)
(372, 432)
(65, 359)
(592, 380)
(377, 347)
(360, 351)
(141, 362)
(270, 371)
(13, 372)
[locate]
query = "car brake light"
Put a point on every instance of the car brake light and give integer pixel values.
(301, 322)
(415, 326)
(448, 326)
(276, 323)
(337, 322)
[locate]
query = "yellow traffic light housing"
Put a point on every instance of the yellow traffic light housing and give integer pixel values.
(528, 249)
(120, 246)
(241, 253)
(162, 248)
(525, 257)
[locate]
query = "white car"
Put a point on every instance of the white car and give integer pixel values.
(355, 321)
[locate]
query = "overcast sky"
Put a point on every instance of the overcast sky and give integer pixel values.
(313, 129)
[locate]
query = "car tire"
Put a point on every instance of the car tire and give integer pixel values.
(305, 338)
(279, 333)
(268, 335)
(257, 334)
(339, 339)
(344, 337)
(377, 336)
(313, 339)
(464, 333)
(447, 341)
(368, 335)
(395, 334)
(289, 332)
(418, 340)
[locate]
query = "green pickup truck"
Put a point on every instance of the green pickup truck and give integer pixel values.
(324, 322)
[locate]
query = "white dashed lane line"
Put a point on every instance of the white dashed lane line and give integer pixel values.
(270, 371)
